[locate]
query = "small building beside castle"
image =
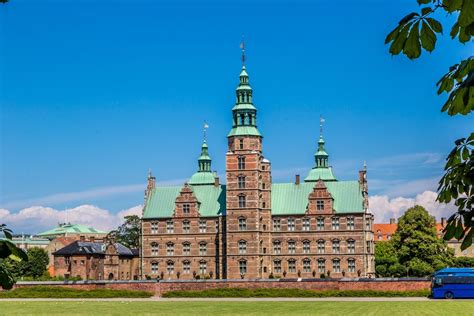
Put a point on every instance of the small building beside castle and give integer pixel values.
(253, 228)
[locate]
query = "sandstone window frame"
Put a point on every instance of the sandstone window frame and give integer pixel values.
(186, 248)
(320, 205)
(242, 200)
(154, 248)
(202, 248)
(291, 265)
(186, 208)
(321, 265)
(154, 228)
(241, 143)
(277, 266)
(336, 246)
(336, 265)
(186, 226)
(170, 266)
(202, 267)
(170, 248)
(290, 224)
(242, 221)
(241, 181)
(186, 266)
(242, 266)
(169, 226)
(306, 246)
(154, 267)
(351, 265)
(277, 247)
(276, 224)
(241, 162)
(321, 246)
(306, 223)
(351, 246)
(350, 223)
(202, 225)
(320, 223)
(335, 223)
(306, 265)
(291, 246)
(242, 244)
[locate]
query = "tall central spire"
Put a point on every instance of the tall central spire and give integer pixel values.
(244, 113)
(203, 175)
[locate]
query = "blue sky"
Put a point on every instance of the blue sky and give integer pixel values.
(95, 93)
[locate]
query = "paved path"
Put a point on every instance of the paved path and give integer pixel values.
(250, 299)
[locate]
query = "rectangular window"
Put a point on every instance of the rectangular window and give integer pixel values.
(170, 249)
(291, 224)
(306, 246)
(170, 267)
(291, 247)
(277, 247)
(186, 249)
(186, 267)
(351, 265)
(243, 267)
(242, 247)
(169, 227)
(186, 227)
(202, 249)
(241, 163)
(368, 247)
(242, 201)
(154, 249)
(276, 224)
(351, 246)
(320, 223)
(186, 208)
(277, 266)
(154, 228)
(202, 226)
(242, 224)
(321, 246)
(336, 265)
(292, 266)
(306, 265)
(154, 267)
(335, 223)
(320, 205)
(202, 267)
(241, 181)
(350, 223)
(306, 222)
(321, 266)
(336, 246)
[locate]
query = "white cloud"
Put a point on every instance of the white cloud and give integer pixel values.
(384, 207)
(36, 219)
(394, 188)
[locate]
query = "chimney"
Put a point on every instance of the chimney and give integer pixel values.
(82, 238)
(92, 238)
(443, 222)
(216, 181)
(393, 221)
(297, 179)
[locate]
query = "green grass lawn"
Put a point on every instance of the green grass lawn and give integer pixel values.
(457, 308)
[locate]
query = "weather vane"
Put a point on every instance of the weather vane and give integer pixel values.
(205, 130)
(321, 121)
(242, 47)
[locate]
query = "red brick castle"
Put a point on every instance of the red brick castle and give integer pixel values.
(250, 227)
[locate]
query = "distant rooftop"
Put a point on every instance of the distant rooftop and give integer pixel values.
(65, 229)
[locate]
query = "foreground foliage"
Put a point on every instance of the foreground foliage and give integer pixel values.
(55, 292)
(415, 249)
(34, 269)
(235, 292)
(8, 251)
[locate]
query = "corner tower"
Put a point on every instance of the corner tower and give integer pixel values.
(248, 189)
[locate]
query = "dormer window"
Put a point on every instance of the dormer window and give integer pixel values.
(186, 208)
(320, 205)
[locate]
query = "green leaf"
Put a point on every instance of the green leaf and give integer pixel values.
(459, 230)
(412, 48)
(6, 278)
(435, 25)
(428, 37)
(426, 10)
(390, 37)
(408, 17)
(450, 230)
(466, 14)
(420, 2)
(467, 239)
(454, 30)
(9, 249)
(452, 5)
(400, 40)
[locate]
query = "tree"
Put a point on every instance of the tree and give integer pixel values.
(464, 262)
(417, 31)
(128, 234)
(417, 245)
(8, 250)
(385, 257)
(35, 267)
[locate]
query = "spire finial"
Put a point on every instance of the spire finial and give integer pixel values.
(206, 126)
(149, 173)
(321, 121)
(242, 47)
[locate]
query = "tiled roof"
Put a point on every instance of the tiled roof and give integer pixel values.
(382, 231)
(88, 247)
(287, 199)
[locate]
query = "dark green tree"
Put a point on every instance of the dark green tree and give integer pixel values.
(35, 267)
(385, 257)
(128, 234)
(417, 31)
(417, 245)
(464, 262)
(8, 251)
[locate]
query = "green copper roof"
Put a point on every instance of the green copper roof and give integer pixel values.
(200, 178)
(324, 174)
(30, 241)
(71, 229)
(161, 202)
(243, 106)
(292, 199)
(244, 130)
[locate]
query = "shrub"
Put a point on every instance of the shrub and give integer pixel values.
(64, 292)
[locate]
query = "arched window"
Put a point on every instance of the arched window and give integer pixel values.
(242, 201)
(277, 266)
(154, 249)
(306, 265)
(241, 163)
(241, 181)
(321, 246)
(336, 246)
(170, 249)
(186, 266)
(154, 267)
(170, 267)
(242, 267)
(292, 265)
(186, 226)
(169, 226)
(336, 265)
(186, 248)
(321, 265)
(351, 265)
(202, 248)
(242, 223)
(335, 223)
(291, 246)
(277, 247)
(320, 223)
(351, 246)
(306, 246)
(202, 267)
(242, 247)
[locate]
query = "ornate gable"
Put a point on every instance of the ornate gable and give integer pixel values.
(186, 205)
(320, 200)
